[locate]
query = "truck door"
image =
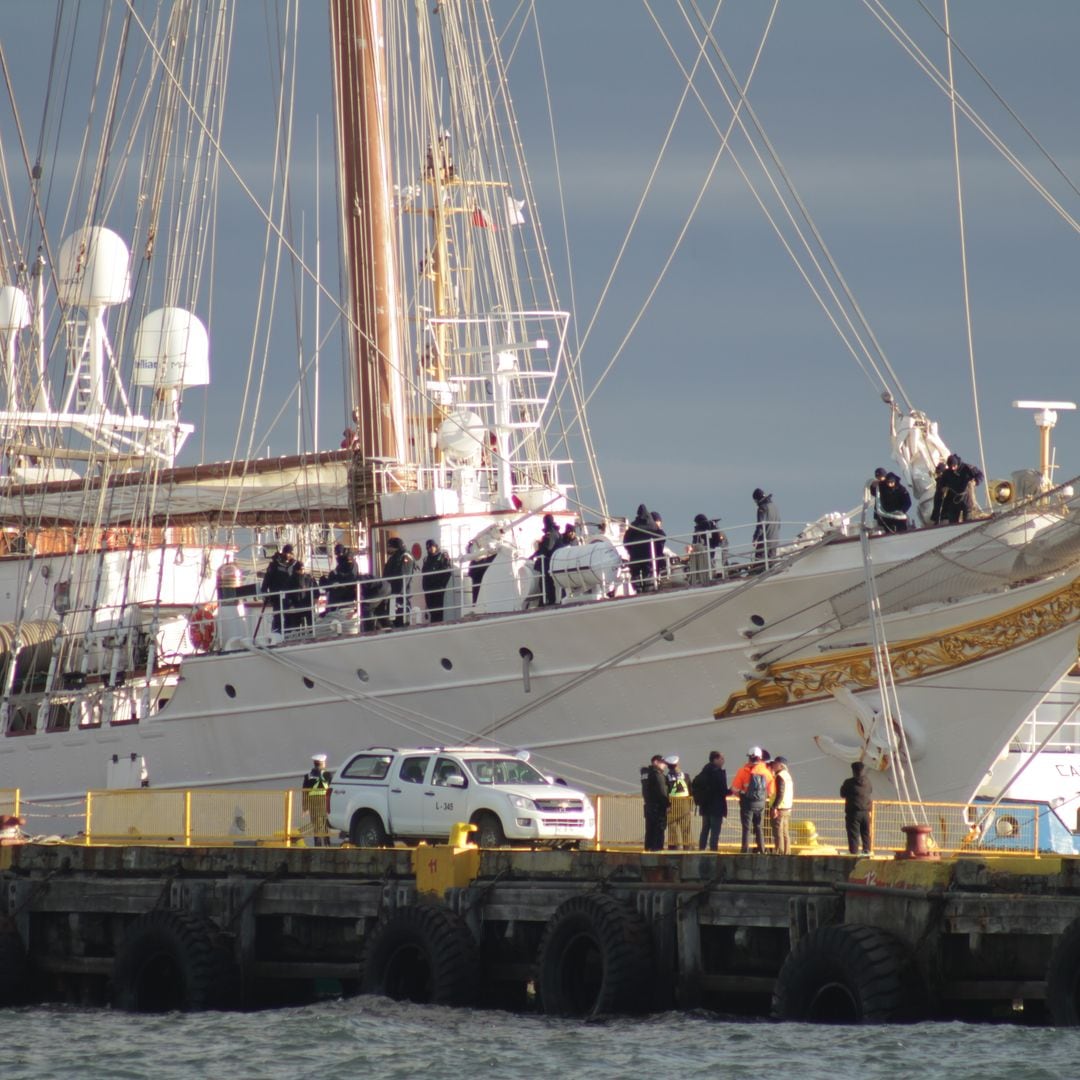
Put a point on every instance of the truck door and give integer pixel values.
(408, 796)
(446, 803)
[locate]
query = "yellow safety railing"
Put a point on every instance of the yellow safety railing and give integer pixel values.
(9, 802)
(818, 827)
(187, 818)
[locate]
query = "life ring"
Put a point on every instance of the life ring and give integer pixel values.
(170, 961)
(202, 627)
(1063, 978)
(595, 958)
(422, 953)
(14, 970)
(848, 974)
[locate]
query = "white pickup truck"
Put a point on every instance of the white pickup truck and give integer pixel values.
(381, 795)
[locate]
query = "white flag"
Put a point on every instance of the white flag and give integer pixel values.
(514, 216)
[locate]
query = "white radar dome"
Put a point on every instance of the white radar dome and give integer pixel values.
(14, 308)
(461, 436)
(172, 350)
(92, 269)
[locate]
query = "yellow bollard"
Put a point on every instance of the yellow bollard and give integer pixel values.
(454, 865)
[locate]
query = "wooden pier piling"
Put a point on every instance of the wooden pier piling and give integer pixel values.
(802, 937)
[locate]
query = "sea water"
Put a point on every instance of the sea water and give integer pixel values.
(369, 1037)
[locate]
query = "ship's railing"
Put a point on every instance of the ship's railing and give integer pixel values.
(818, 826)
(383, 602)
(107, 643)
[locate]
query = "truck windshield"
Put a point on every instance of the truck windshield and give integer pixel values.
(504, 771)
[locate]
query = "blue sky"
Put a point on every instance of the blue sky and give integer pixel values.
(733, 378)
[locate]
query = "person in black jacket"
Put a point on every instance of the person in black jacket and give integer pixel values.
(710, 789)
(654, 791)
(301, 598)
(857, 793)
(276, 579)
(396, 569)
(550, 539)
(891, 504)
(341, 582)
(954, 495)
(435, 572)
(638, 541)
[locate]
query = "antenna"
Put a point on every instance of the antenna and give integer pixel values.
(1045, 419)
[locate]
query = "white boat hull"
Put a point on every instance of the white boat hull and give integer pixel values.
(609, 684)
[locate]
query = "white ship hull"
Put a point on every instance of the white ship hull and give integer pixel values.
(609, 683)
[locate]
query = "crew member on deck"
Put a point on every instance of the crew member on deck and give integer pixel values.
(891, 504)
(276, 580)
(435, 572)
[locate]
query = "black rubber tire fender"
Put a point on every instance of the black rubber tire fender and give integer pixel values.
(489, 830)
(595, 958)
(1063, 978)
(14, 969)
(849, 974)
(170, 961)
(422, 953)
(367, 830)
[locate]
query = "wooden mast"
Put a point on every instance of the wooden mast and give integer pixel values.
(363, 144)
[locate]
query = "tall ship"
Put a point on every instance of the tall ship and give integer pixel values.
(155, 623)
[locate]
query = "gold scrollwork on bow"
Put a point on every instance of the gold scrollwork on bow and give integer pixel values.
(790, 682)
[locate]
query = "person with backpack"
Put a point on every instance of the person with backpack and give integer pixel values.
(710, 789)
(755, 787)
(680, 806)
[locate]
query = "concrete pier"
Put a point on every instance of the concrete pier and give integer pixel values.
(580, 933)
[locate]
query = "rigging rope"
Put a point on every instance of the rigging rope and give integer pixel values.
(968, 326)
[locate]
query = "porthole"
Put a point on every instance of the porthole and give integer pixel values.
(230, 690)
(309, 683)
(757, 620)
(361, 674)
(448, 664)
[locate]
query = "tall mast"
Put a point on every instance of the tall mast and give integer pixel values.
(363, 144)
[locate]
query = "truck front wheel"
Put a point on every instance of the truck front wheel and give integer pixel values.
(366, 830)
(489, 831)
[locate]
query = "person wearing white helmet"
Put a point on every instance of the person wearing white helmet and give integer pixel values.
(680, 806)
(755, 786)
(316, 789)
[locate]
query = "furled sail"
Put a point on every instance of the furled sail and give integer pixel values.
(295, 489)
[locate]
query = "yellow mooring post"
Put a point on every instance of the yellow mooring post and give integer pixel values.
(287, 831)
(89, 815)
(454, 865)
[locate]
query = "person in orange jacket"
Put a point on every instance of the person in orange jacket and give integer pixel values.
(755, 785)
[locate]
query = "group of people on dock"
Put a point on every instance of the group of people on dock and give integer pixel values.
(765, 789)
